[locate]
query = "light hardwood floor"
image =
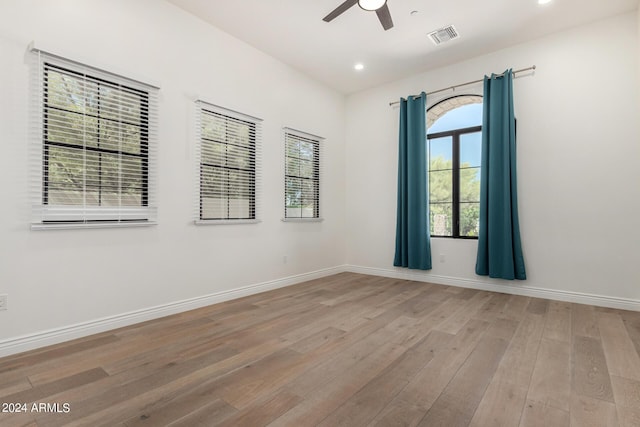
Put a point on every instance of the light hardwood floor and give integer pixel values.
(347, 350)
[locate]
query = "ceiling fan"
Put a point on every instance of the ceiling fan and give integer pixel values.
(379, 6)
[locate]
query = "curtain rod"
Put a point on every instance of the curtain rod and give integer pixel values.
(533, 67)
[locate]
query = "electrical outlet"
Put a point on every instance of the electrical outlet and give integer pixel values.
(442, 258)
(3, 302)
(284, 259)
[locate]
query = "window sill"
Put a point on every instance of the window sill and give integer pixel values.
(225, 221)
(302, 219)
(456, 238)
(85, 225)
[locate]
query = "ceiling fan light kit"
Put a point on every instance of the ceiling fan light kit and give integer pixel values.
(379, 6)
(371, 5)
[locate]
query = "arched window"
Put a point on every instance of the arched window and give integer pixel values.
(454, 138)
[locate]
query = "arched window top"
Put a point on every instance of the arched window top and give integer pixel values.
(457, 112)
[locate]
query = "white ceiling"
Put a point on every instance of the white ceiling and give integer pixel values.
(293, 31)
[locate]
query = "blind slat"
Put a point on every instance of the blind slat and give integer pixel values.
(303, 175)
(228, 161)
(93, 151)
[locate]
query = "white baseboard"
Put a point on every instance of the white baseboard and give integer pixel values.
(54, 336)
(518, 288)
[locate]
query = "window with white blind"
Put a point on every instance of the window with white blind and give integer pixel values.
(93, 151)
(302, 175)
(228, 157)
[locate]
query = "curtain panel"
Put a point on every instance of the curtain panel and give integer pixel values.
(412, 221)
(499, 246)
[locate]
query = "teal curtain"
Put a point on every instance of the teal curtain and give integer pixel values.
(412, 222)
(499, 246)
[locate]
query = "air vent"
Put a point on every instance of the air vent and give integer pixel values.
(443, 34)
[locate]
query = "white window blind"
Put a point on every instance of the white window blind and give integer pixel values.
(228, 162)
(302, 177)
(93, 151)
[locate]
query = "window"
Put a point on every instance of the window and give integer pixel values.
(94, 147)
(454, 139)
(228, 161)
(302, 175)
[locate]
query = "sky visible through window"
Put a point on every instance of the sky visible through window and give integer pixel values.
(458, 118)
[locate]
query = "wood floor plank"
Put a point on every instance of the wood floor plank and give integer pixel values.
(427, 385)
(264, 412)
(584, 321)
(551, 378)
(190, 409)
(363, 406)
(464, 313)
(629, 417)
(328, 320)
(207, 416)
(97, 399)
(316, 340)
(459, 400)
(590, 376)
(558, 323)
(516, 306)
(48, 353)
(42, 392)
(350, 350)
(493, 308)
(520, 358)
(627, 392)
(14, 386)
(538, 306)
(539, 414)
(622, 358)
(501, 405)
(588, 412)
(53, 363)
(17, 420)
(392, 301)
(419, 305)
(154, 391)
(632, 323)
(325, 399)
(339, 362)
(408, 330)
(503, 402)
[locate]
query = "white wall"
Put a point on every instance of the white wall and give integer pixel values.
(578, 154)
(56, 279)
(578, 177)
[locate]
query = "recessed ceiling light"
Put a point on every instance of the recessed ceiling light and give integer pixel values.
(544, 1)
(359, 67)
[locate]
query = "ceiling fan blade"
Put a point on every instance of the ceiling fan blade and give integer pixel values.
(385, 17)
(340, 10)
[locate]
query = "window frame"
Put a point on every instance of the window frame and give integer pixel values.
(316, 179)
(455, 167)
(255, 142)
(143, 124)
(455, 178)
(48, 123)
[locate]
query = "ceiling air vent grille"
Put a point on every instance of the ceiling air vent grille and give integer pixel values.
(443, 34)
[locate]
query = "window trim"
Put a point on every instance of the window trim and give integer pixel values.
(318, 168)
(255, 123)
(48, 216)
(472, 93)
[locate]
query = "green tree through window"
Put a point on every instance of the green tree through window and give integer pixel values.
(454, 148)
(95, 141)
